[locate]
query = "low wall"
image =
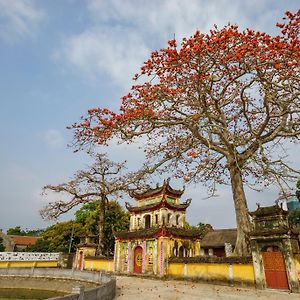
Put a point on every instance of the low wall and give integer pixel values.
(83, 285)
(29, 260)
(96, 263)
(297, 265)
(221, 270)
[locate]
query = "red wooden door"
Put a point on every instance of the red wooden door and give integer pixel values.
(138, 258)
(276, 277)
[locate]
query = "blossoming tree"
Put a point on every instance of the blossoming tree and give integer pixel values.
(215, 109)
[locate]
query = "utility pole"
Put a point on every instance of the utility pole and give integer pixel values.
(71, 238)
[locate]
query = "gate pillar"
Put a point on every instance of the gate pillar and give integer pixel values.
(271, 232)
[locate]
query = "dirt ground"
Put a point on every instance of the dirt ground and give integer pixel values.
(136, 288)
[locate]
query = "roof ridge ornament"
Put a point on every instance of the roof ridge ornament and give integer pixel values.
(187, 201)
(128, 205)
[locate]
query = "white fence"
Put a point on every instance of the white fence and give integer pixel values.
(29, 256)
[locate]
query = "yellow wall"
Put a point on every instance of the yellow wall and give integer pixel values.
(208, 271)
(28, 264)
(243, 272)
(99, 264)
(214, 271)
(297, 264)
(176, 269)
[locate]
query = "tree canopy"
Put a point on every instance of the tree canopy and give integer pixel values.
(57, 238)
(115, 219)
(216, 109)
(16, 231)
(100, 183)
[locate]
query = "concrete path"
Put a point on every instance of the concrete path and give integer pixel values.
(136, 288)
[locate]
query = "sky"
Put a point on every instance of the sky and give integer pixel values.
(58, 58)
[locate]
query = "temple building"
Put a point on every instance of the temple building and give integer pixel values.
(157, 232)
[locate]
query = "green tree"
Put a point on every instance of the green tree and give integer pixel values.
(57, 237)
(34, 232)
(115, 219)
(16, 231)
(294, 217)
(202, 227)
(40, 246)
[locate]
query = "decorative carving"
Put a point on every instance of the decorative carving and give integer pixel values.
(128, 205)
(28, 256)
(187, 201)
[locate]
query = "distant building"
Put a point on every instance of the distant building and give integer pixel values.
(21, 242)
(293, 203)
(219, 242)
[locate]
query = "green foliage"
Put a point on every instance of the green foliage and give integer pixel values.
(58, 236)
(115, 219)
(294, 217)
(87, 216)
(16, 231)
(34, 232)
(2, 248)
(19, 231)
(40, 246)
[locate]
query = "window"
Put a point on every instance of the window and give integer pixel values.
(147, 221)
(177, 219)
(169, 218)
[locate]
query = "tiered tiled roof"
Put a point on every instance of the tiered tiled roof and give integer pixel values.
(165, 188)
(268, 211)
(163, 203)
(159, 231)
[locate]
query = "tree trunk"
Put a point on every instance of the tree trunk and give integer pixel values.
(242, 246)
(101, 224)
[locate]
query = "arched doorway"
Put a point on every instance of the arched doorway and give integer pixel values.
(274, 266)
(138, 258)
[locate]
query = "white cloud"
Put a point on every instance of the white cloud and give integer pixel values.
(113, 52)
(54, 138)
(18, 19)
(123, 33)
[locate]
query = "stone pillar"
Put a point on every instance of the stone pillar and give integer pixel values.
(155, 258)
(79, 290)
(161, 257)
(258, 266)
(228, 249)
(128, 256)
(118, 254)
(144, 256)
(291, 270)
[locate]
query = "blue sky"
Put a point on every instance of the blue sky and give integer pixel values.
(59, 58)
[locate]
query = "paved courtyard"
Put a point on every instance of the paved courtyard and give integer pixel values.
(135, 288)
